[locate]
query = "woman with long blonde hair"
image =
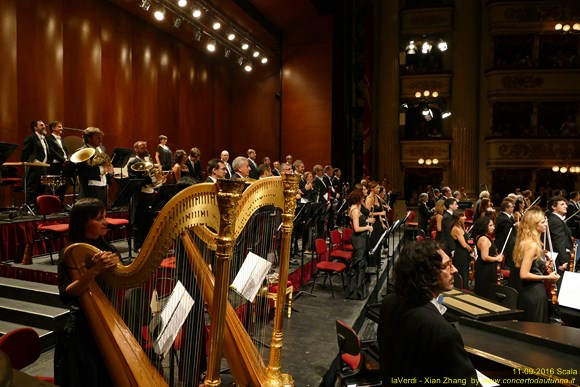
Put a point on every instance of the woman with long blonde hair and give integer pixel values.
(532, 267)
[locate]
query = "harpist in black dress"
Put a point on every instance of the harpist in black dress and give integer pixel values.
(488, 258)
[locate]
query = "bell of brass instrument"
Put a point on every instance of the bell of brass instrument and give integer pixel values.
(99, 159)
(82, 155)
(148, 169)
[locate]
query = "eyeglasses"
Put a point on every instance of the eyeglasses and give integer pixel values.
(447, 265)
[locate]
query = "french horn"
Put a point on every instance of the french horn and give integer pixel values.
(148, 169)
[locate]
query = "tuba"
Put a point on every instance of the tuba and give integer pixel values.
(149, 169)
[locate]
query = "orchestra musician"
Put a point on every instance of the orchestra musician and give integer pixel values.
(58, 156)
(142, 200)
(424, 212)
(35, 149)
(356, 288)
(530, 263)
(506, 229)
(163, 155)
(561, 236)
(486, 265)
(415, 340)
(463, 252)
(93, 172)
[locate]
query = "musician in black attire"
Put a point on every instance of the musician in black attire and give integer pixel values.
(486, 265)
(58, 157)
(447, 224)
(93, 172)
(414, 338)
(424, 212)
(560, 234)
(505, 222)
(35, 148)
(193, 163)
(77, 361)
(573, 214)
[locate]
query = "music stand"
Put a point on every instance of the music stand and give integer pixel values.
(124, 197)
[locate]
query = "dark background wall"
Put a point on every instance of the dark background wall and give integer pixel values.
(91, 63)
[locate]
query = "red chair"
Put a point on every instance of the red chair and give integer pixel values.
(346, 234)
(358, 362)
(49, 230)
(336, 251)
(121, 224)
(325, 267)
(22, 346)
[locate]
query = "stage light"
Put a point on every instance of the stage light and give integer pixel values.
(177, 22)
(216, 25)
(241, 60)
(442, 45)
(196, 12)
(227, 53)
(418, 94)
(566, 27)
(256, 53)
(211, 45)
(245, 45)
(159, 14)
(411, 47)
(198, 34)
(145, 4)
(445, 115)
(182, 3)
(421, 161)
(264, 60)
(435, 94)
(248, 66)
(558, 27)
(231, 35)
(426, 48)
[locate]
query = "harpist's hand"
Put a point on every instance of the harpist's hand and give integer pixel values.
(104, 260)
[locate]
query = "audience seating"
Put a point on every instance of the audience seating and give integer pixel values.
(325, 267)
(359, 363)
(22, 346)
(49, 230)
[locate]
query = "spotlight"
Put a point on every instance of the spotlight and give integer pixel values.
(211, 45)
(241, 60)
(145, 4)
(426, 48)
(159, 14)
(442, 45)
(182, 3)
(196, 12)
(576, 27)
(558, 27)
(445, 115)
(197, 34)
(231, 35)
(227, 53)
(245, 45)
(435, 94)
(177, 22)
(411, 47)
(256, 53)
(248, 66)
(264, 60)
(216, 25)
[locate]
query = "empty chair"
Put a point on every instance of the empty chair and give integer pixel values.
(336, 250)
(121, 224)
(346, 234)
(504, 295)
(359, 363)
(49, 230)
(325, 267)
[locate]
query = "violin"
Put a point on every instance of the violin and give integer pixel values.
(572, 256)
(552, 291)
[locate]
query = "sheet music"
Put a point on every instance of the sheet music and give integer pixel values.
(569, 290)
(172, 318)
(251, 275)
(485, 381)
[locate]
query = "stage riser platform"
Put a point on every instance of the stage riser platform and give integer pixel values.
(34, 292)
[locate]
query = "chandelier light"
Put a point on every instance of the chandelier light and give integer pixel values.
(565, 168)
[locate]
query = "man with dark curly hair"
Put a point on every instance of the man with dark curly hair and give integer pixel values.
(415, 340)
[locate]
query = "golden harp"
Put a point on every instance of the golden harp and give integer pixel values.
(215, 214)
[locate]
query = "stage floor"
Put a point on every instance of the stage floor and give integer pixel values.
(310, 343)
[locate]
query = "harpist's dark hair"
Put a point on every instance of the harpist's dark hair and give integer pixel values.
(481, 226)
(417, 269)
(80, 214)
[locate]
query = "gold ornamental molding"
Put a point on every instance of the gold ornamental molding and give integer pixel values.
(560, 83)
(410, 84)
(413, 150)
(533, 153)
(426, 21)
(532, 17)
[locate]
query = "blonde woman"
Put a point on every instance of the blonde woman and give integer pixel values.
(532, 267)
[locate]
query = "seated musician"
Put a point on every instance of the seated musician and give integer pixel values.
(414, 338)
(77, 361)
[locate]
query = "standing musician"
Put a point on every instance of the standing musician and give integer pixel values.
(486, 265)
(424, 212)
(92, 173)
(531, 266)
(163, 155)
(143, 199)
(59, 156)
(506, 228)
(573, 213)
(35, 148)
(561, 236)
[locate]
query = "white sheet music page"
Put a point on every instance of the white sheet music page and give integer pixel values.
(172, 318)
(569, 290)
(251, 275)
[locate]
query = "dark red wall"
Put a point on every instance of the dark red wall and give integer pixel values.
(91, 63)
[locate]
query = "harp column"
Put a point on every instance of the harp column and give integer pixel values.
(229, 193)
(274, 377)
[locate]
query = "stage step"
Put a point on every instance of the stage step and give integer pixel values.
(30, 291)
(46, 337)
(32, 304)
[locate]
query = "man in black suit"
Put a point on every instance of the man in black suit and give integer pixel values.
(424, 212)
(35, 148)
(319, 185)
(225, 156)
(58, 156)
(415, 340)
(505, 222)
(93, 172)
(241, 167)
(573, 215)
(560, 234)
(193, 163)
(216, 169)
(447, 225)
(276, 168)
(254, 173)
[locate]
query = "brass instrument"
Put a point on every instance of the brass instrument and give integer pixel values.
(196, 212)
(100, 160)
(82, 155)
(158, 177)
